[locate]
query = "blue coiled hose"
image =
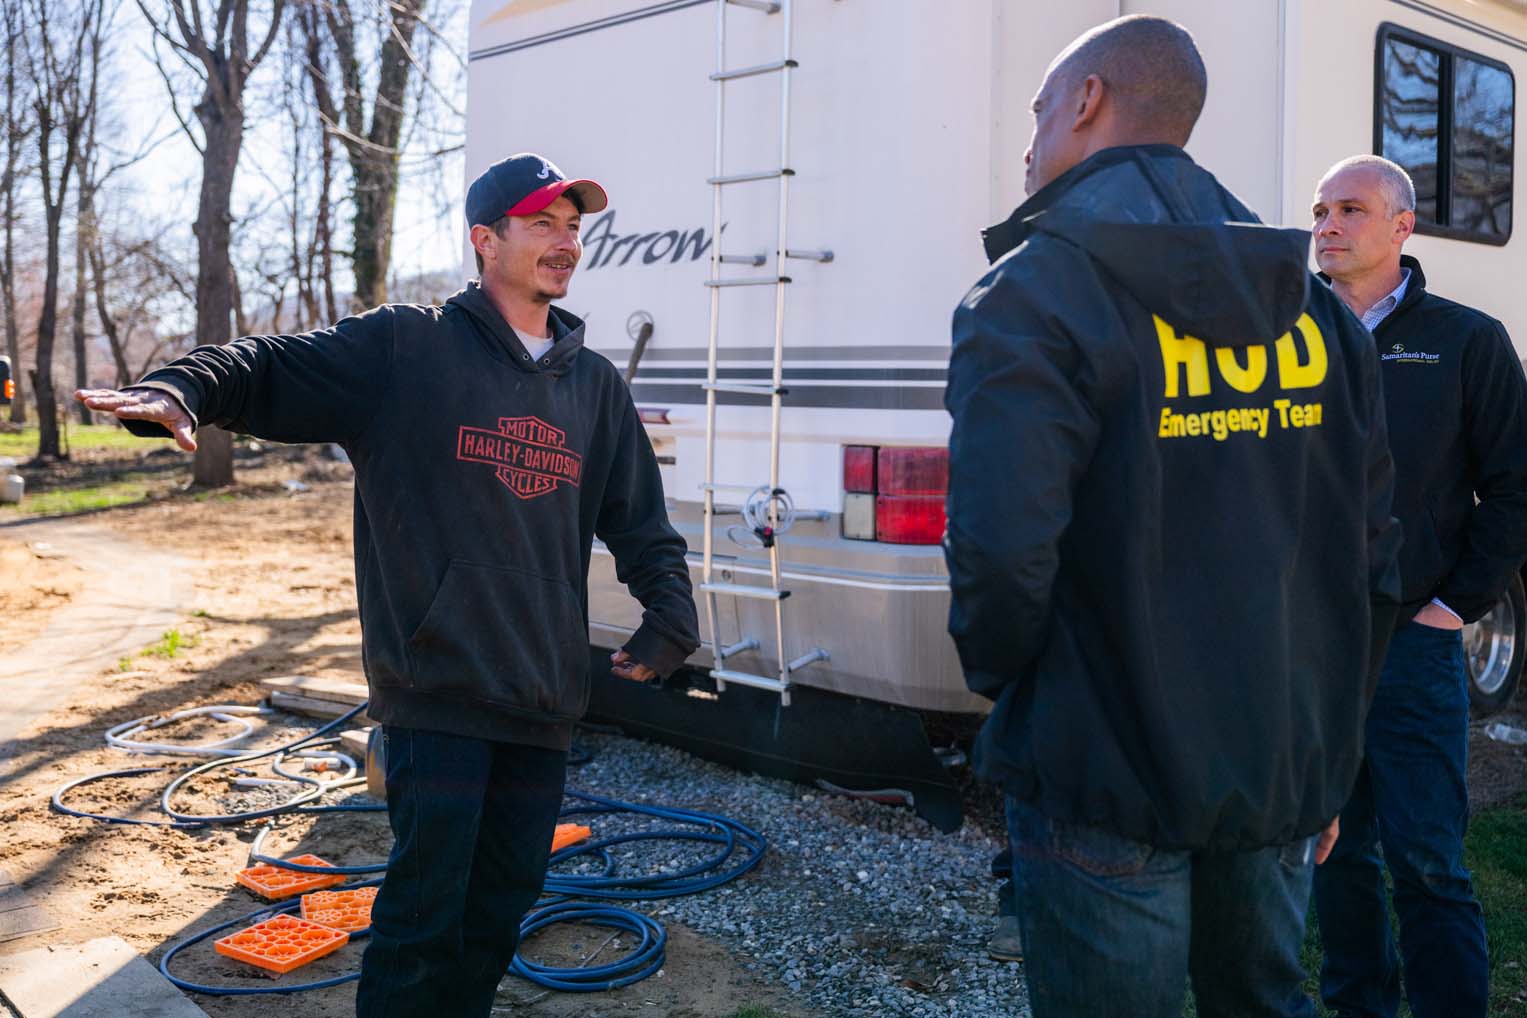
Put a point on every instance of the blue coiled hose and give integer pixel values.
(738, 850)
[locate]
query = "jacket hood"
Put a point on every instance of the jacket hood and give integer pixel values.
(566, 329)
(1176, 240)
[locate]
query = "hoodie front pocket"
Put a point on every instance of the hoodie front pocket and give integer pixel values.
(510, 638)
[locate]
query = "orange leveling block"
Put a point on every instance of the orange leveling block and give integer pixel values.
(341, 910)
(569, 834)
(282, 943)
(274, 883)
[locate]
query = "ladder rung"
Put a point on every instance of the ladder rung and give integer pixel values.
(727, 487)
(745, 388)
(743, 178)
(752, 259)
(766, 6)
(748, 72)
(813, 256)
(760, 281)
(749, 679)
(744, 590)
(737, 648)
(806, 659)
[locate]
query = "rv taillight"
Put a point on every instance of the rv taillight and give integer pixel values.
(910, 470)
(894, 494)
(859, 468)
(10, 390)
(909, 519)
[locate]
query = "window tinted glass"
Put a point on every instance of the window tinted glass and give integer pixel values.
(1481, 164)
(1409, 108)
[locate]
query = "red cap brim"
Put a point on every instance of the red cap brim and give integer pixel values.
(592, 195)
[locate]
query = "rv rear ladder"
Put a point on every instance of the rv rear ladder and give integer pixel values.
(774, 390)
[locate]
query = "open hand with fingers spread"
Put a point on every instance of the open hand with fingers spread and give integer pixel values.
(144, 405)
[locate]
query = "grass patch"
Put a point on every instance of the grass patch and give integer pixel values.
(170, 644)
(22, 445)
(754, 1011)
(130, 489)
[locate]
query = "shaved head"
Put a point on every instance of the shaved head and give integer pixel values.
(1151, 69)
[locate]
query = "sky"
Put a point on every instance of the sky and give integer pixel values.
(163, 186)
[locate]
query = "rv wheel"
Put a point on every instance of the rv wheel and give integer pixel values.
(1495, 648)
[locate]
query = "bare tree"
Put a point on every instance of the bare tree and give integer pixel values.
(216, 47)
(17, 128)
(371, 140)
(85, 223)
(62, 103)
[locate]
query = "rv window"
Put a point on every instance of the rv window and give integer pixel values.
(1447, 116)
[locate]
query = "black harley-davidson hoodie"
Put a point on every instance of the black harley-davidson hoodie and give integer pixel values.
(1171, 556)
(482, 477)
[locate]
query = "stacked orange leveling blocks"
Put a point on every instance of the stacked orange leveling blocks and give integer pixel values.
(285, 942)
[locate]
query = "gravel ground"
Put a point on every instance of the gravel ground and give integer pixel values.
(859, 908)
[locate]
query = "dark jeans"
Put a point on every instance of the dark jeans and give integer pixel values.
(1411, 797)
(1113, 927)
(1007, 891)
(472, 823)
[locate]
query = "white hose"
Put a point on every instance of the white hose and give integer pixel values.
(122, 736)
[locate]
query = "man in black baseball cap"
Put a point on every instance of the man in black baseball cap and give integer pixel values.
(523, 184)
(490, 449)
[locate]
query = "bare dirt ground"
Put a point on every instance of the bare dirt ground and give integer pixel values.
(29, 590)
(273, 594)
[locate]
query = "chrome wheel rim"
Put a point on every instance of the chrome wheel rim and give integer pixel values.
(1489, 646)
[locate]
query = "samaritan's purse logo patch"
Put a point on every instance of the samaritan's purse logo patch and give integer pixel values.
(531, 456)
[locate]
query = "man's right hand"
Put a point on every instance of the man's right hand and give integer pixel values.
(144, 405)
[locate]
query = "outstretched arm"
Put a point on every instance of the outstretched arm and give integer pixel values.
(322, 386)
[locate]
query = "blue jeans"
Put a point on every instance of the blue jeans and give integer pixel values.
(1113, 927)
(472, 823)
(1412, 798)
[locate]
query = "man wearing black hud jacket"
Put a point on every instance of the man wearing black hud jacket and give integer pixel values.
(490, 449)
(1170, 551)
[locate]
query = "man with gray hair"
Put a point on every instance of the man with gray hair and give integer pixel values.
(1170, 551)
(1457, 415)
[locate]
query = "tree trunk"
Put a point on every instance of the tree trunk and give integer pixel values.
(8, 296)
(224, 133)
(114, 339)
(376, 193)
(8, 184)
(48, 447)
(82, 231)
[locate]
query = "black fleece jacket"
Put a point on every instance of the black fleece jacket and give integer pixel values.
(482, 478)
(1457, 403)
(1171, 557)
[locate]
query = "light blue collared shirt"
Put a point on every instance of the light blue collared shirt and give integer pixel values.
(1380, 311)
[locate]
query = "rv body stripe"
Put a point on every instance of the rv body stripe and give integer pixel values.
(1459, 21)
(869, 396)
(835, 581)
(583, 29)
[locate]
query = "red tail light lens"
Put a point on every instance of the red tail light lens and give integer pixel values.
(10, 389)
(895, 494)
(909, 519)
(859, 469)
(911, 470)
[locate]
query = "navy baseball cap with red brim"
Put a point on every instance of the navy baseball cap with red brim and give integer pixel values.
(523, 184)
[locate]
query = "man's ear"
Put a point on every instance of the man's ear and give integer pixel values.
(1089, 101)
(1404, 226)
(482, 238)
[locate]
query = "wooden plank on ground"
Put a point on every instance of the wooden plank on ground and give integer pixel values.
(315, 708)
(103, 978)
(19, 915)
(336, 690)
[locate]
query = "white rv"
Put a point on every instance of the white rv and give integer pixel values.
(871, 141)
